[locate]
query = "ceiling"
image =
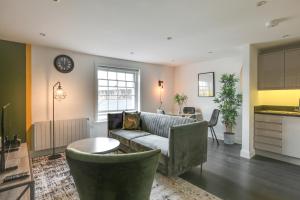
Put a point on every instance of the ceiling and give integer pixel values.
(138, 29)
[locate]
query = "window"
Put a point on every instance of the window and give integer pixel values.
(117, 90)
(203, 88)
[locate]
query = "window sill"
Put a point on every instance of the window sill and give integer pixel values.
(101, 121)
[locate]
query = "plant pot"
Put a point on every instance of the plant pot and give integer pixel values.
(160, 111)
(229, 138)
(179, 109)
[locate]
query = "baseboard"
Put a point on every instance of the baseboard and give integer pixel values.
(288, 159)
(237, 140)
(47, 152)
(247, 154)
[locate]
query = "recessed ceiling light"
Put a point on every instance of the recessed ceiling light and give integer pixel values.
(261, 3)
(285, 36)
(42, 34)
(169, 38)
(272, 23)
(131, 52)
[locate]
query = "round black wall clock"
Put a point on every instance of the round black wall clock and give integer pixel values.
(64, 63)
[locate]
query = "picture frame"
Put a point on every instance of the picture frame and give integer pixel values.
(206, 84)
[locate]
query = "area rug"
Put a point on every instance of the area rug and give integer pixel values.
(54, 182)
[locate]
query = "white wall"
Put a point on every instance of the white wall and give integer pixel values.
(186, 81)
(80, 85)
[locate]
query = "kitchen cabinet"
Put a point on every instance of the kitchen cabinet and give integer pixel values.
(291, 136)
(277, 134)
(271, 70)
(292, 68)
(268, 133)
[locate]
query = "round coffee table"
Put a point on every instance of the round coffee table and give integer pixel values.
(98, 145)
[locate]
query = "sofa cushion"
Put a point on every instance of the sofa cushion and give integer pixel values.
(158, 124)
(125, 135)
(129, 134)
(154, 142)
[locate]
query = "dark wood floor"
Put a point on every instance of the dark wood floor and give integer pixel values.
(231, 177)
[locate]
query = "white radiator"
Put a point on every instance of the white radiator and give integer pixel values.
(66, 131)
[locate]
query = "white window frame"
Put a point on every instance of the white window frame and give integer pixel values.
(117, 69)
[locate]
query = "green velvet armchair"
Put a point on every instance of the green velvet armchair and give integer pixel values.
(113, 176)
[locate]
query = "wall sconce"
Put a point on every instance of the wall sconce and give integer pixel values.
(161, 84)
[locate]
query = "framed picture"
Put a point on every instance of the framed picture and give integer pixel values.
(206, 84)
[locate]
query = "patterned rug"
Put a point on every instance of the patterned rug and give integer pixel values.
(54, 182)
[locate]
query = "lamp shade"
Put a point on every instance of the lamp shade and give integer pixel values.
(59, 93)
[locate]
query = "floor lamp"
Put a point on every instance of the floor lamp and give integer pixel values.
(57, 94)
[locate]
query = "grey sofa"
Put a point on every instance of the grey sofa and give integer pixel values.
(182, 141)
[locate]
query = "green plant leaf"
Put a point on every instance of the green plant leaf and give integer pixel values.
(228, 100)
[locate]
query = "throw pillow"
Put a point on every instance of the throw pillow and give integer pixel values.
(131, 121)
(115, 121)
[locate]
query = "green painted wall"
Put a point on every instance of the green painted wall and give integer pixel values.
(13, 84)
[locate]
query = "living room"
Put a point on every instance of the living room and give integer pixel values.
(135, 89)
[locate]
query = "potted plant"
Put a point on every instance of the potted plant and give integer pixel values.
(180, 100)
(229, 101)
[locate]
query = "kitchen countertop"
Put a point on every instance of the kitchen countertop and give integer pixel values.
(277, 110)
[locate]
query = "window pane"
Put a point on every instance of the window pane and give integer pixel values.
(113, 103)
(102, 91)
(112, 75)
(130, 102)
(129, 77)
(130, 91)
(113, 91)
(122, 91)
(121, 103)
(130, 84)
(102, 82)
(121, 76)
(121, 83)
(116, 92)
(112, 83)
(102, 74)
(102, 103)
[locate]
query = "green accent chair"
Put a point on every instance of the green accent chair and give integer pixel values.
(113, 176)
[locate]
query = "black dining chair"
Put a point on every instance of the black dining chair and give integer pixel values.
(189, 110)
(213, 122)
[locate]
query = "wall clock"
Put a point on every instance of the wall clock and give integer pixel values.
(64, 63)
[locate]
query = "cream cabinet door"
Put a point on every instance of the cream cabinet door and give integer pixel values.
(271, 70)
(291, 136)
(292, 68)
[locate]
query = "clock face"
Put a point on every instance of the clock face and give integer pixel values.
(64, 63)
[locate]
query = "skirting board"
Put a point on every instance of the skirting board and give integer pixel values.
(237, 140)
(46, 152)
(247, 154)
(288, 159)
